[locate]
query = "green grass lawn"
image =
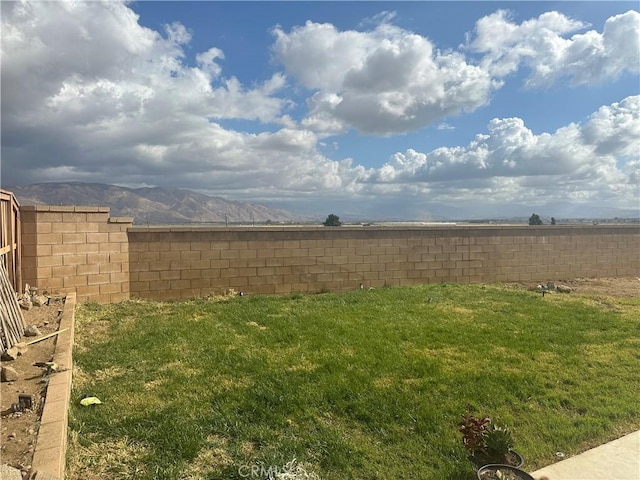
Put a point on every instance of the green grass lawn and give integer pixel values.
(360, 385)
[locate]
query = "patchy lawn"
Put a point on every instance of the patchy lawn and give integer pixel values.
(368, 384)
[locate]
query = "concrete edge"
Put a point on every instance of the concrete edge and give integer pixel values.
(51, 444)
(619, 459)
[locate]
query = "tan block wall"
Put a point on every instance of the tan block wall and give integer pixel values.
(82, 250)
(183, 262)
(76, 249)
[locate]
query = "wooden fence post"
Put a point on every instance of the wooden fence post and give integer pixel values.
(10, 238)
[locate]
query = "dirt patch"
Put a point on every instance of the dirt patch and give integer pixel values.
(621, 287)
(19, 429)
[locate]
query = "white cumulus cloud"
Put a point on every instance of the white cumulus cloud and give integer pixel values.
(383, 81)
(543, 46)
(597, 159)
(89, 94)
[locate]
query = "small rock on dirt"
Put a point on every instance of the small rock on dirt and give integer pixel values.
(39, 300)
(564, 289)
(10, 354)
(8, 374)
(31, 331)
(26, 304)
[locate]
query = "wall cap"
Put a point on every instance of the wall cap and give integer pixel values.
(430, 227)
(64, 209)
(121, 220)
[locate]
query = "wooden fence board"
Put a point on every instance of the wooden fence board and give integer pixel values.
(10, 244)
(11, 319)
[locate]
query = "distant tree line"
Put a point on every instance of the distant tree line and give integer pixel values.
(535, 219)
(332, 221)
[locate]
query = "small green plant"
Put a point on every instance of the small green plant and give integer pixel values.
(498, 441)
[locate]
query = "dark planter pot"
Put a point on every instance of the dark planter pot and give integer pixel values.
(514, 460)
(485, 473)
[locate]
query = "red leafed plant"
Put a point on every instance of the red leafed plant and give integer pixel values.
(487, 442)
(474, 431)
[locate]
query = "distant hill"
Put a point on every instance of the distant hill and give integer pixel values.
(157, 205)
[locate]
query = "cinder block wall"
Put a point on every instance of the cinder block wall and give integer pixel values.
(76, 249)
(182, 262)
(82, 250)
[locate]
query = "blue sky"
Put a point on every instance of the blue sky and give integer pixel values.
(415, 110)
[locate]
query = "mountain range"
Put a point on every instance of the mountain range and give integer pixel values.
(163, 205)
(151, 205)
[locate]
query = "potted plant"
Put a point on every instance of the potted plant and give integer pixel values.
(486, 442)
(502, 472)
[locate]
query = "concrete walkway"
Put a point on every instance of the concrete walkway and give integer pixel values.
(617, 460)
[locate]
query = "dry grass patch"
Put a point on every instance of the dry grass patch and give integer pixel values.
(181, 368)
(113, 459)
(304, 365)
(210, 459)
